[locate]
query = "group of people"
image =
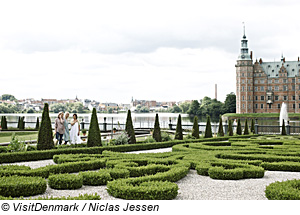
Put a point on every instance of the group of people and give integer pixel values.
(62, 131)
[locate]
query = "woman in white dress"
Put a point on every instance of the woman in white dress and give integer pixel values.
(75, 131)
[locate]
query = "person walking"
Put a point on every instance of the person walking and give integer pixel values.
(59, 127)
(75, 131)
(66, 125)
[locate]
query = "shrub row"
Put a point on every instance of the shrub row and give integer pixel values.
(65, 181)
(282, 166)
(229, 170)
(79, 197)
(151, 187)
(287, 190)
(16, 186)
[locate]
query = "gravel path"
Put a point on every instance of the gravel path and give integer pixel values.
(191, 187)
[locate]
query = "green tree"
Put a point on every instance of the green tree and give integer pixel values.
(94, 135)
(22, 123)
(230, 103)
(156, 132)
(239, 127)
(252, 126)
(3, 123)
(175, 109)
(19, 122)
(208, 132)
(30, 110)
(283, 131)
(37, 125)
(195, 130)
(185, 106)
(246, 130)
(129, 129)
(194, 109)
(45, 135)
(230, 129)
(220, 130)
(8, 97)
(178, 133)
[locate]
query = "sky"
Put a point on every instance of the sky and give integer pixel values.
(162, 50)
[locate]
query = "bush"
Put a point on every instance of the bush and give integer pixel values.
(195, 130)
(37, 125)
(208, 132)
(117, 173)
(287, 190)
(230, 129)
(283, 131)
(15, 145)
(65, 181)
(165, 137)
(149, 139)
(282, 166)
(94, 135)
(129, 128)
(96, 178)
(246, 130)
(45, 138)
(220, 129)
(16, 186)
(148, 190)
(252, 126)
(121, 139)
(178, 133)
(239, 127)
(156, 131)
(225, 174)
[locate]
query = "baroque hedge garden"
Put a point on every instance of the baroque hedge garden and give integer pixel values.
(153, 175)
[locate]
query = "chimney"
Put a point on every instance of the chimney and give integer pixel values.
(260, 61)
(216, 91)
(251, 55)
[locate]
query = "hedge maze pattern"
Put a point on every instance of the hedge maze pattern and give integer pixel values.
(153, 176)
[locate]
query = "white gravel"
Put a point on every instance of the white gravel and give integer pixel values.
(191, 187)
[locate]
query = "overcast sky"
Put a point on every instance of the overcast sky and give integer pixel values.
(155, 50)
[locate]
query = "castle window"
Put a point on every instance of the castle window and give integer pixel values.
(243, 81)
(262, 98)
(270, 88)
(261, 106)
(276, 88)
(262, 88)
(270, 81)
(282, 70)
(256, 81)
(294, 98)
(293, 87)
(243, 88)
(285, 98)
(284, 80)
(276, 98)
(284, 88)
(278, 106)
(256, 89)
(276, 81)
(243, 98)
(293, 80)
(262, 81)
(256, 106)
(294, 106)
(243, 105)
(256, 98)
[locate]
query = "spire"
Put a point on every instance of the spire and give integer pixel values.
(244, 53)
(244, 37)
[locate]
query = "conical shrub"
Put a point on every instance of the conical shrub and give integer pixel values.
(94, 135)
(45, 135)
(195, 130)
(22, 123)
(156, 132)
(19, 121)
(5, 123)
(246, 129)
(283, 131)
(220, 130)
(239, 127)
(208, 132)
(37, 125)
(230, 129)
(252, 126)
(178, 133)
(129, 129)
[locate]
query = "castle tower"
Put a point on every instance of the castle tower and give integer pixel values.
(244, 79)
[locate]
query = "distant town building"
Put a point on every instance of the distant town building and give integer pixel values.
(261, 87)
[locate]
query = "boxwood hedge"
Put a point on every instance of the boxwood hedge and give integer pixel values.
(65, 181)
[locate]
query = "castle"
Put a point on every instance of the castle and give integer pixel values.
(262, 87)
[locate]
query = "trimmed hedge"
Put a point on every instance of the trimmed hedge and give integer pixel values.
(16, 186)
(79, 197)
(95, 178)
(65, 181)
(282, 166)
(287, 190)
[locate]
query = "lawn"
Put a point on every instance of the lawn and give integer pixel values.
(6, 136)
